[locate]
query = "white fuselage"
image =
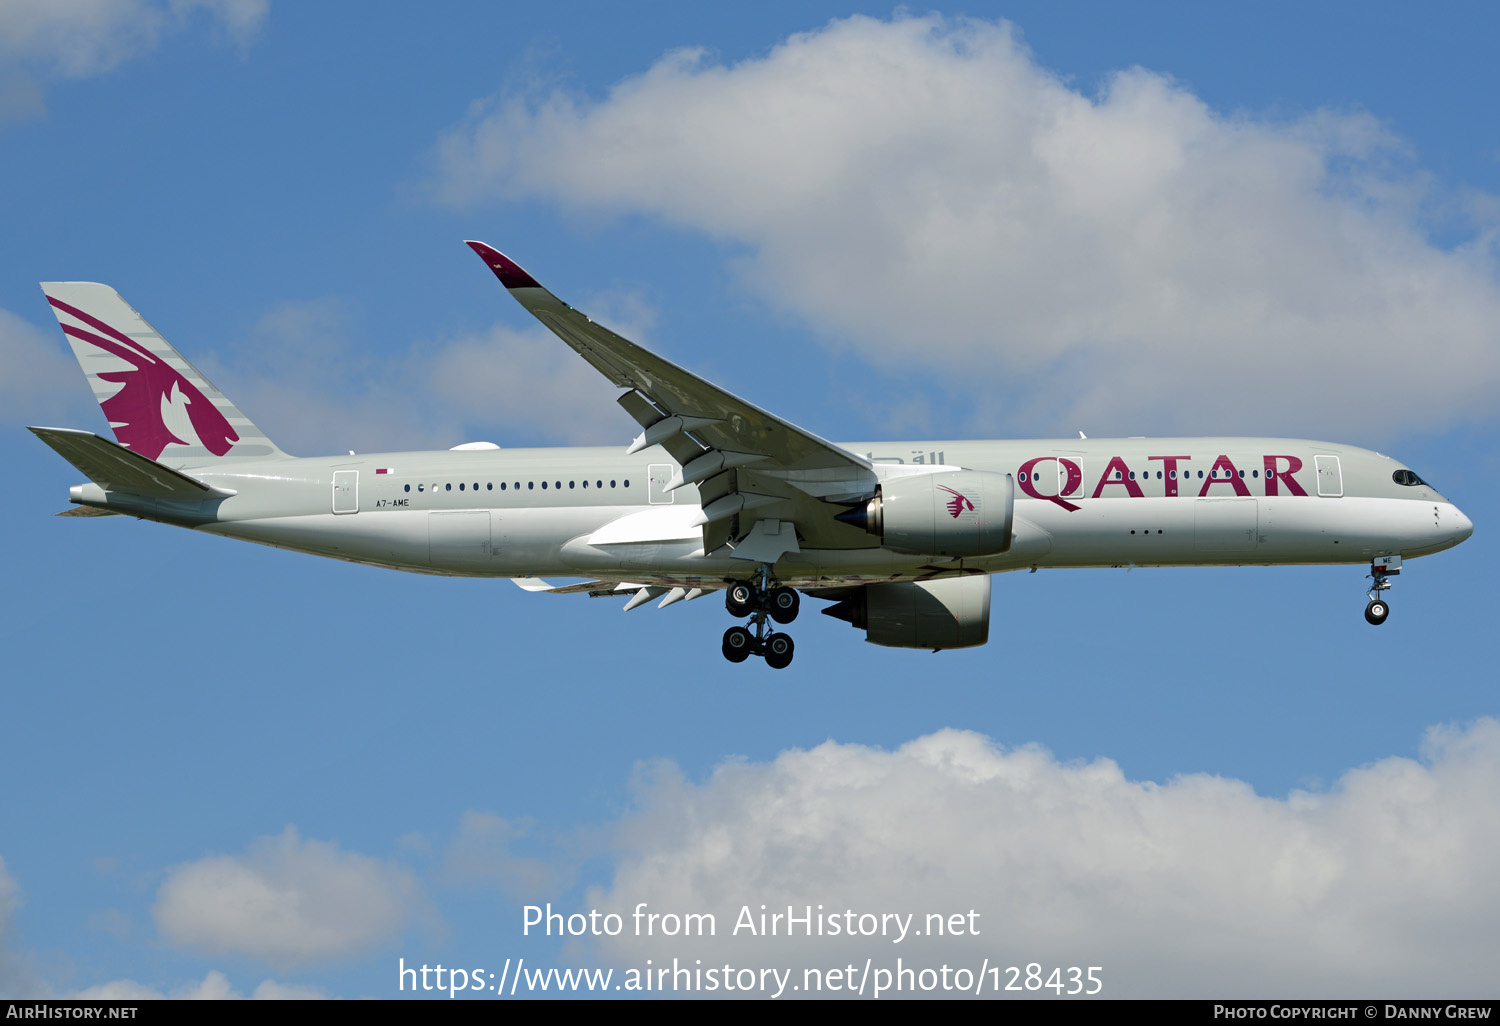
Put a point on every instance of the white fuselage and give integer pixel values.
(597, 512)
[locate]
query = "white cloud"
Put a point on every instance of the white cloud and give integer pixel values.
(1196, 887)
(15, 971)
(39, 381)
(270, 990)
(286, 901)
(213, 987)
(481, 852)
(82, 38)
(526, 378)
(925, 192)
(306, 384)
(311, 389)
(78, 38)
(85, 38)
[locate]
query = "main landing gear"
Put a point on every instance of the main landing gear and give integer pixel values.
(761, 600)
(1383, 568)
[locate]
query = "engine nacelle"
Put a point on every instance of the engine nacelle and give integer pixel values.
(949, 613)
(954, 513)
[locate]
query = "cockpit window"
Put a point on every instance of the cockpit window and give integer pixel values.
(1406, 477)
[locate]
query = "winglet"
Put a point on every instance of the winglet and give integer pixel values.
(507, 270)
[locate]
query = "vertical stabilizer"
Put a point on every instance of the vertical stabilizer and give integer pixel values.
(158, 404)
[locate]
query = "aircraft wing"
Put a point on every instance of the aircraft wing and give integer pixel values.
(762, 481)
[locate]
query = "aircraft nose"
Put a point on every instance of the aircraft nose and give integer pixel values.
(1462, 525)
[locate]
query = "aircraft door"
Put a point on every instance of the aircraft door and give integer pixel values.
(659, 475)
(1330, 476)
(346, 491)
(1070, 477)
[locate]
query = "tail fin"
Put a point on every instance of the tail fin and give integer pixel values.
(158, 404)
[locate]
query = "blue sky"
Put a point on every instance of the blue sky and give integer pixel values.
(235, 770)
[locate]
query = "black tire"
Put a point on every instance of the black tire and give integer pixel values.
(739, 599)
(738, 644)
(779, 651)
(784, 604)
(1376, 612)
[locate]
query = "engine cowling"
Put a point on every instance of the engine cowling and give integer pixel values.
(954, 513)
(949, 613)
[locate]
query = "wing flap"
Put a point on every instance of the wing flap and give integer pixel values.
(536, 585)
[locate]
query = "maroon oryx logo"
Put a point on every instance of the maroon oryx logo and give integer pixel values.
(958, 504)
(135, 410)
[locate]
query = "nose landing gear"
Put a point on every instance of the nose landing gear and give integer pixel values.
(1381, 569)
(761, 601)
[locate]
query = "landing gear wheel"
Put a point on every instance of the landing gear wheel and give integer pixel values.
(784, 604)
(779, 649)
(1381, 572)
(740, 599)
(738, 644)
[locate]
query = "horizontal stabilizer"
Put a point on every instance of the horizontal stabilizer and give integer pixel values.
(116, 469)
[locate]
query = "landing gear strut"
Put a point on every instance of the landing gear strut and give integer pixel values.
(1383, 568)
(761, 600)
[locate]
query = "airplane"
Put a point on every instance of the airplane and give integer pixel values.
(718, 495)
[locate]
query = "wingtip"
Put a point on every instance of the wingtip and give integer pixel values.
(510, 273)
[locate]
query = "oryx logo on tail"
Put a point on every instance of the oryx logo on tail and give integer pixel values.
(138, 411)
(959, 504)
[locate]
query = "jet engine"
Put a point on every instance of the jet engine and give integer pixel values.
(950, 613)
(954, 513)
